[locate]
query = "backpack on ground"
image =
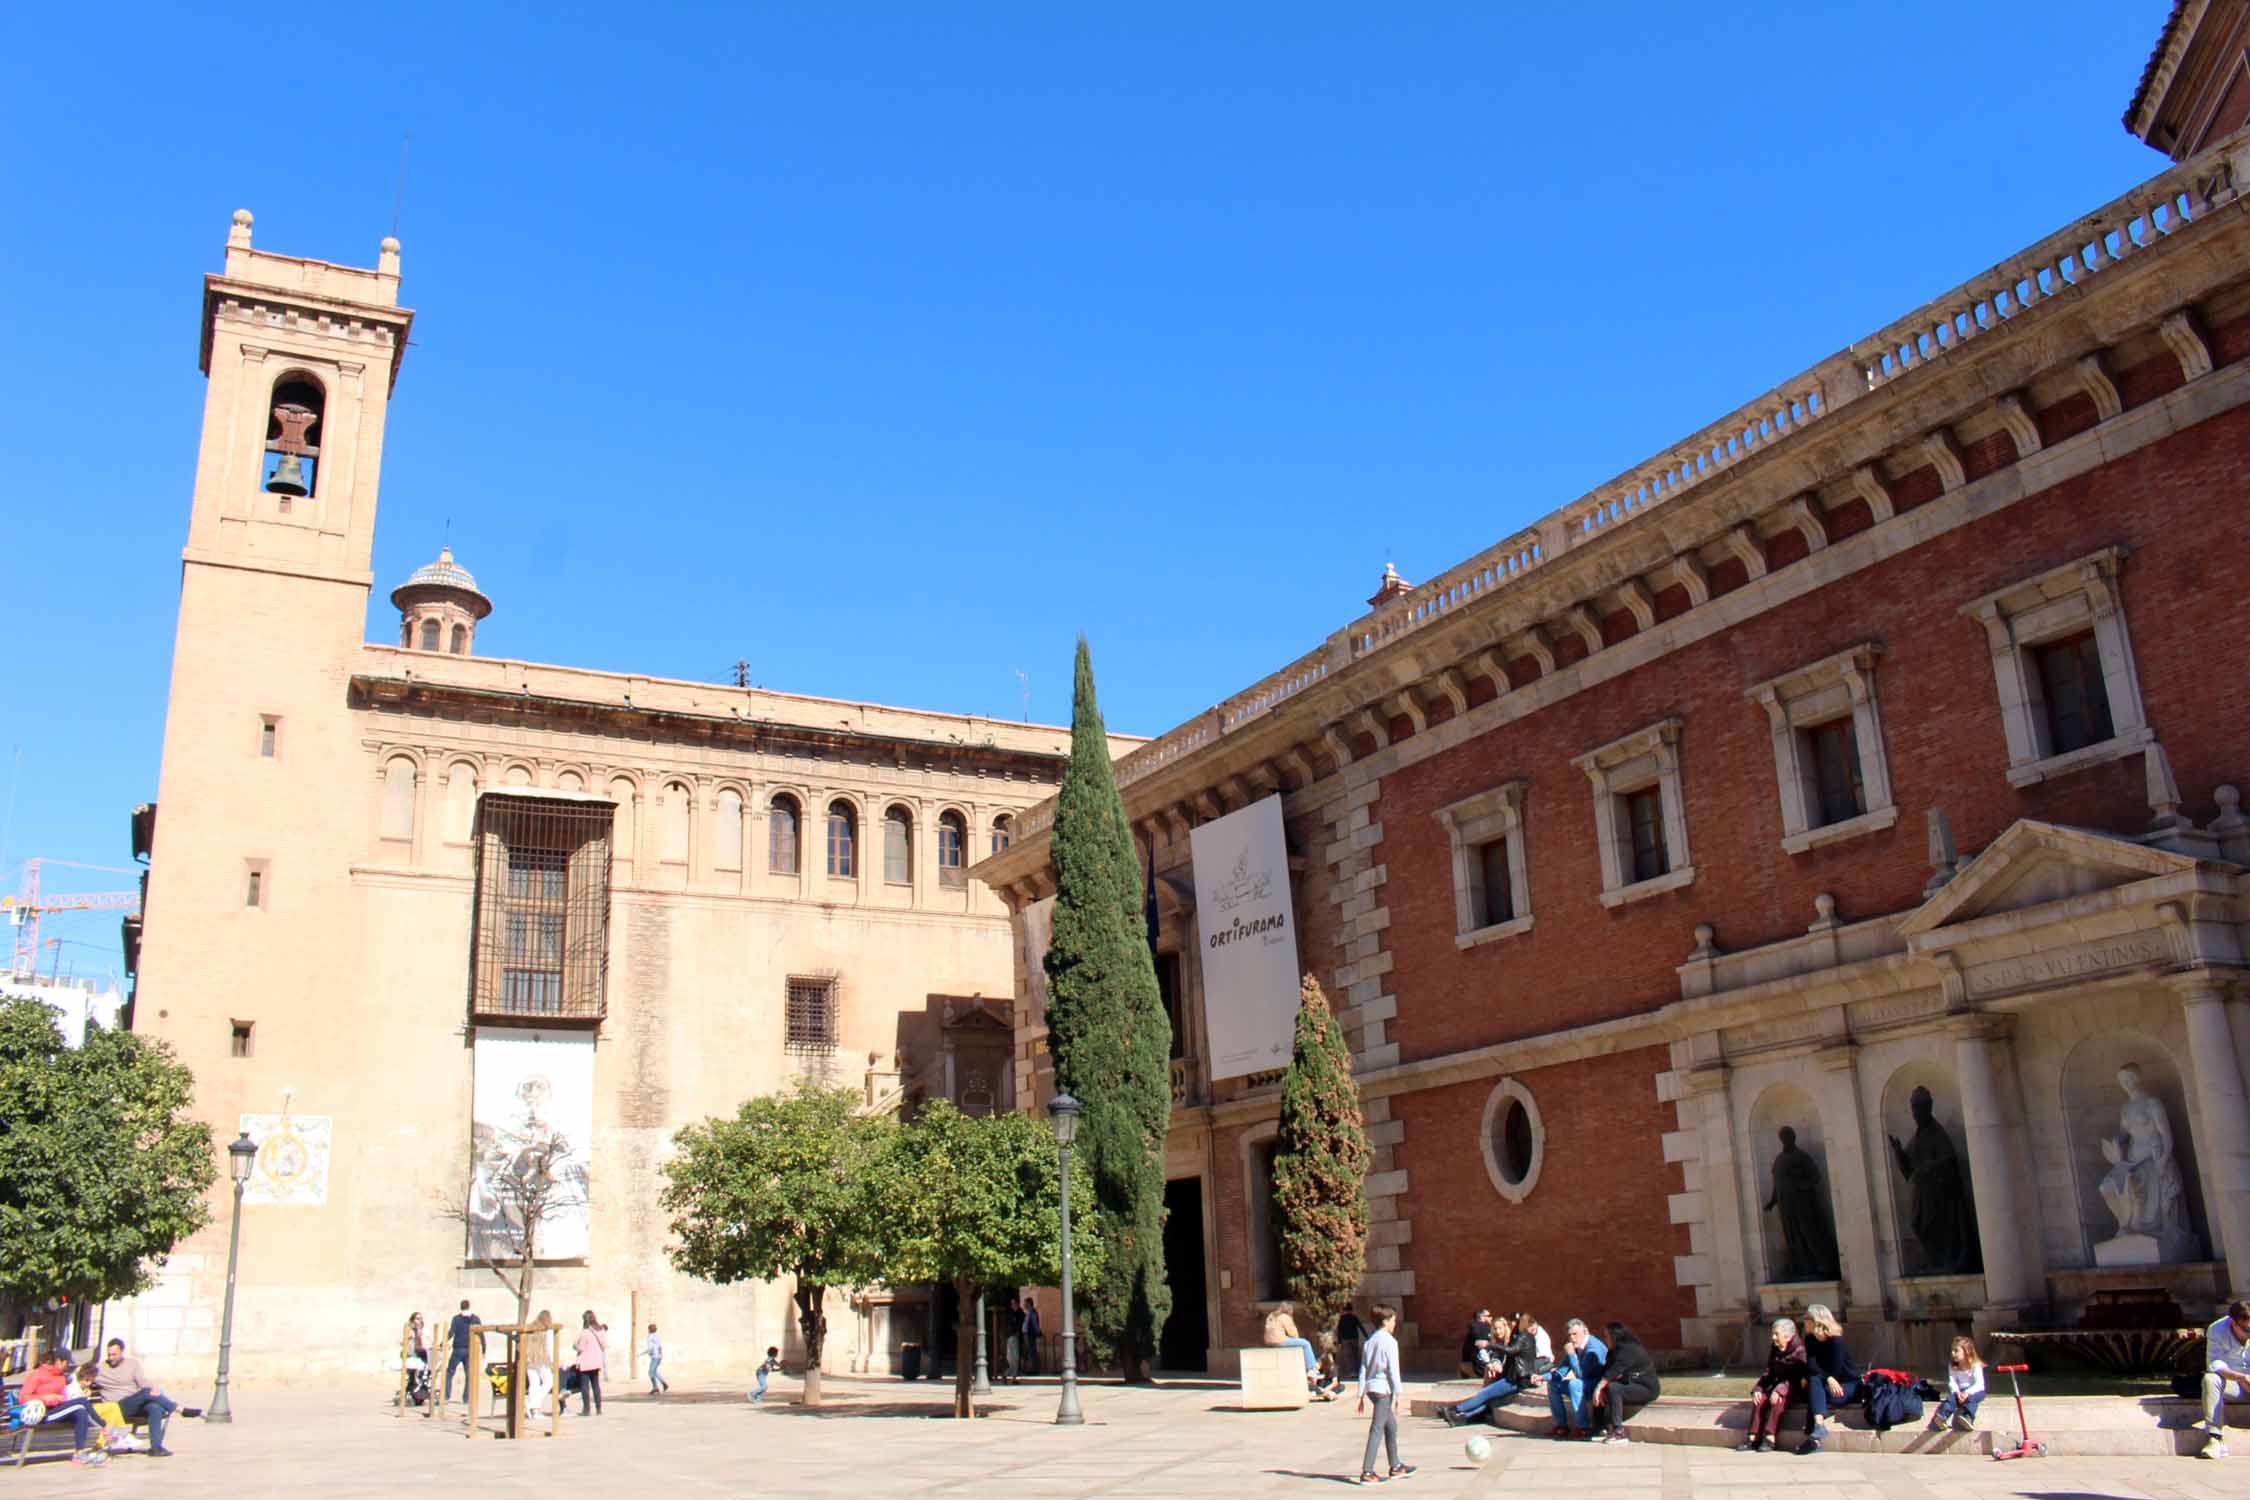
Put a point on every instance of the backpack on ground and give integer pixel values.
(1890, 1399)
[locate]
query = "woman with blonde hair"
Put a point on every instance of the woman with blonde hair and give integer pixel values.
(538, 1365)
(1831, 1379)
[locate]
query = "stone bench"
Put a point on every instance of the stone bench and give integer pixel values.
(2126, 1426)
(1273, 1379)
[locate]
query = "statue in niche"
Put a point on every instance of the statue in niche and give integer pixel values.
(2144, 1189)
(1808, 1244)
(1943, 1219)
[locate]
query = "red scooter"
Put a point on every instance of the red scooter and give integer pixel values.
(2025, 1447)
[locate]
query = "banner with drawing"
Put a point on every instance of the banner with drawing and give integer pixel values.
(1249, 937)
(531, 1135)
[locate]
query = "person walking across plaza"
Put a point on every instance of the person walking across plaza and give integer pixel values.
(592, 1357)
(771, 1363)
(1350, 1334)
(1031, 1332)
(1379, 1382)
(457, 1341)
(653, 1348)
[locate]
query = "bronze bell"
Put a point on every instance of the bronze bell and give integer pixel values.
(288, 477)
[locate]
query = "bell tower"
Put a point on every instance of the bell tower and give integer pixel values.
(249, 879)
(301, 357)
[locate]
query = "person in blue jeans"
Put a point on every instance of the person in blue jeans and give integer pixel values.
(1964, 1388)
(1831, 1380)
(1570, 1384)
(1513, 1348)
(771, 1364)
(457, 1338)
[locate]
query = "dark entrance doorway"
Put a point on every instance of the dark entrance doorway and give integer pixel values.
(1186, 1342)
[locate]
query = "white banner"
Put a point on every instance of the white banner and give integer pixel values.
(533, 1089)
(1249, 939)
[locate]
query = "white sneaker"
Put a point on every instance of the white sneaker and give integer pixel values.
(2212, 1448)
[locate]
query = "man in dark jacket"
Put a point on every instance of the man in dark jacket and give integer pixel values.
(1628, 1383)
(1476, 1345)
(457, 1336)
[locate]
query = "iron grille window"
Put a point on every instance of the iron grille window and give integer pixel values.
(781, 838)
(2077, 699)
(1499, 900)
(952, 850)
(811, 1016)
(540, 945)
(1835, 765)
(1644, 815)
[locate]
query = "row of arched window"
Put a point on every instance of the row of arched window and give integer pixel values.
(785, 821)
(433, 637)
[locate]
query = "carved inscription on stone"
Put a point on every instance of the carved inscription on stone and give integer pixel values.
(1760, 1035)
(2078, 961)
(1875, 1015)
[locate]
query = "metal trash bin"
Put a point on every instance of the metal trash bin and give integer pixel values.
(910, 1361)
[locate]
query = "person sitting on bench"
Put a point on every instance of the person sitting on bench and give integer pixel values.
(122, 1380)
(48, 1383)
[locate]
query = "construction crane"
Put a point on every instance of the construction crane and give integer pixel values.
(25, 908)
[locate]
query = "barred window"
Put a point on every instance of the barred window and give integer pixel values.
(952, 849)
(540, 945)
(811, 1016)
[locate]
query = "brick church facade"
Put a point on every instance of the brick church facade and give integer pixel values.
(1884, 738)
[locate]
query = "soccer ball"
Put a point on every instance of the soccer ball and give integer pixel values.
(1478, 1447)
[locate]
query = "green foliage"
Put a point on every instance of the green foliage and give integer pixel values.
(101, 1172)
(1320, 1166)
(979, 1201)
(787, 1188)
(1109, 1035)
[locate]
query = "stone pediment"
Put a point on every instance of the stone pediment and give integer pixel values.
(2036, 864)
(975, 1013)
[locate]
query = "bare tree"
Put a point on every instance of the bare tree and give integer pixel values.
(522, 1182)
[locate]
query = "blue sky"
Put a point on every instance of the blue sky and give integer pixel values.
(889, 346)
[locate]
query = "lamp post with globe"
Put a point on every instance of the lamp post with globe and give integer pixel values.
(242, 1157)
(1062, 1113)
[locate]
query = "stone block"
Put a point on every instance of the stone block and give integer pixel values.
(1385, 1184)
(1387, 1133)
(1376, 1109)
(1384, 1056)
(1687, 1208)
(1382, 1258)
(1692, 1270)
(1390, 1231)
(1379, 1008)
(1272, 1379)
(1390, 1283)
(1681, 1145)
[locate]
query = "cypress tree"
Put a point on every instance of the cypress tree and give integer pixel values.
(1109, 1035)
(1320, 1168)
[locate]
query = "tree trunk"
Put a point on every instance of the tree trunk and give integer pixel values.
(965, 1345)
(812, 1323)
(1134, 1368)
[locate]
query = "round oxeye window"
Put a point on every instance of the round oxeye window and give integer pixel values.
(1514, 1145)
(1515, 1140)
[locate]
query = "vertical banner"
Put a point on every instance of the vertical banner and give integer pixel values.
(1249, 939)
(533, 1116)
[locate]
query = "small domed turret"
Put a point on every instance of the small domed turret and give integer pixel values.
(439, 607)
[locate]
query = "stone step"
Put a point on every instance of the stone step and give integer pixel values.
(2082, 1426)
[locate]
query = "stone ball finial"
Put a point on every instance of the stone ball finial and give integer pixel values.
(1825, 905)
(390, 244)
(2228, 797)
(242, 218)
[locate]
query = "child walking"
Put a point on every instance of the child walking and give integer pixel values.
(772, 1363)
(653, 1347)
(1964, 1389)
(1379, 1381)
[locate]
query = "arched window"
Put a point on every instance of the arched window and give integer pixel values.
(1002, 829)
(406, 633)
(843, 836)
(622, 833)
(570, 781)
(460, 801)
(781, 835)
(292, 462)
(398, 798)
(460, 640)
(729, 829)
(952, 849)
(429, 635)
(898, 846)
(678, 804)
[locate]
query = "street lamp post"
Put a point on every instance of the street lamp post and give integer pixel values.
(982, 1385)
(242, 1156)
(1062, 1113)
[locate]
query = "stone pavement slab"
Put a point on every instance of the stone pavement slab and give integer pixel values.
(887, 1438)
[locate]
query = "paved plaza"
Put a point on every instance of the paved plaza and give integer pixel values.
(875, 1438)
